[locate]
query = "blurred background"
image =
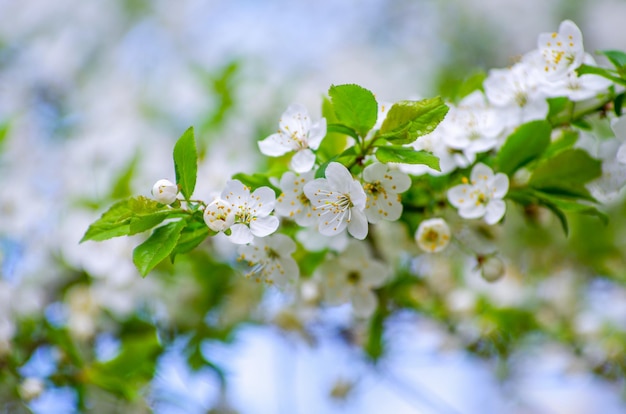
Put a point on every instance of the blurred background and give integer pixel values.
(94, 94)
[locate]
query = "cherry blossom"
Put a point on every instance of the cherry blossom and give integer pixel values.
(164, 191)
(296, 133)
(269, 260)
(383, 186)
(433, 235)
(292, 202)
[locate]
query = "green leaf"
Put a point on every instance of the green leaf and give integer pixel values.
(566, 173)
(346, 158)
(409, 120)
(186, 163)
(158, 246)
(121, 187)
(190, 237)
(355, 107)
(595, 70)
(618, 103)
(561, 205)
(567, 140)
(335, 140)
(130, 371)
(406, 155)
(342, 129)
(471, 84)
(128, 217)
(617, 58)
(525, 144)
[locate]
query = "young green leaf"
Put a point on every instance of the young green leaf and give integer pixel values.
(191, 236)
(409, 120)
(406, 155)
(525, 144)
(355, 107)
(128, 217)
(566, 173)
(617, 58)
(186, 163)
(158, 246)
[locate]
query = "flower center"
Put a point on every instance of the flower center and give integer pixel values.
(353, 277)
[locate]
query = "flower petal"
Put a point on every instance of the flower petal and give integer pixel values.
(263, 226)
(358, 226)
(303, 161)
(494, 211)
(274, 145)
(364, 302)
(240, 234)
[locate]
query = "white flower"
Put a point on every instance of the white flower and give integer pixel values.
(433, 235)
(292, 202)
(350, 277)
(382, 187)
(339, 201)
(165, 191)
(252, 211)
(31, 388)
(296, 133)
(219, 215)
(269, 260)
(482, 197)
(313, 241)
(562, 52)
(517, 94)
(578, 88)
(472, 126)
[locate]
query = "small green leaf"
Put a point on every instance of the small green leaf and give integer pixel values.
(525, 144)
(566, 174)
(355, 107)
(128, 217)
(186, 163)
(409, 120)
(342, 129)
(121, 186)
(618, 103)
(595, 70)
(406, 155)
(617, 58)
(335, 140)
(190, 237)
(158, 246)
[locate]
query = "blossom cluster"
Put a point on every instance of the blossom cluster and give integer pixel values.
(336, 199)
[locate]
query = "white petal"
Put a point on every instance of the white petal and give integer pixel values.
(235, 193)
(287, 271)
(274, 145)
(500, 183)
(339, 177)
(494, 211)
(263, 226)
(303, 161)
(358, 226)
(621, 154)
(364, 303)
(317, 133)
(240, 234)
(262, 201)
(480, 172)
(459, 195)
(282, 244)
(374, 172)
(472, 211)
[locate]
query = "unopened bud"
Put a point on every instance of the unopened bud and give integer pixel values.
(491, 268)
(165, 191)
(31, 388)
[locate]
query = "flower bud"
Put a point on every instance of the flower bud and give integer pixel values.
(433, 235)
(165, 191)
(491, 268)
(219, 215)
(31, 388)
